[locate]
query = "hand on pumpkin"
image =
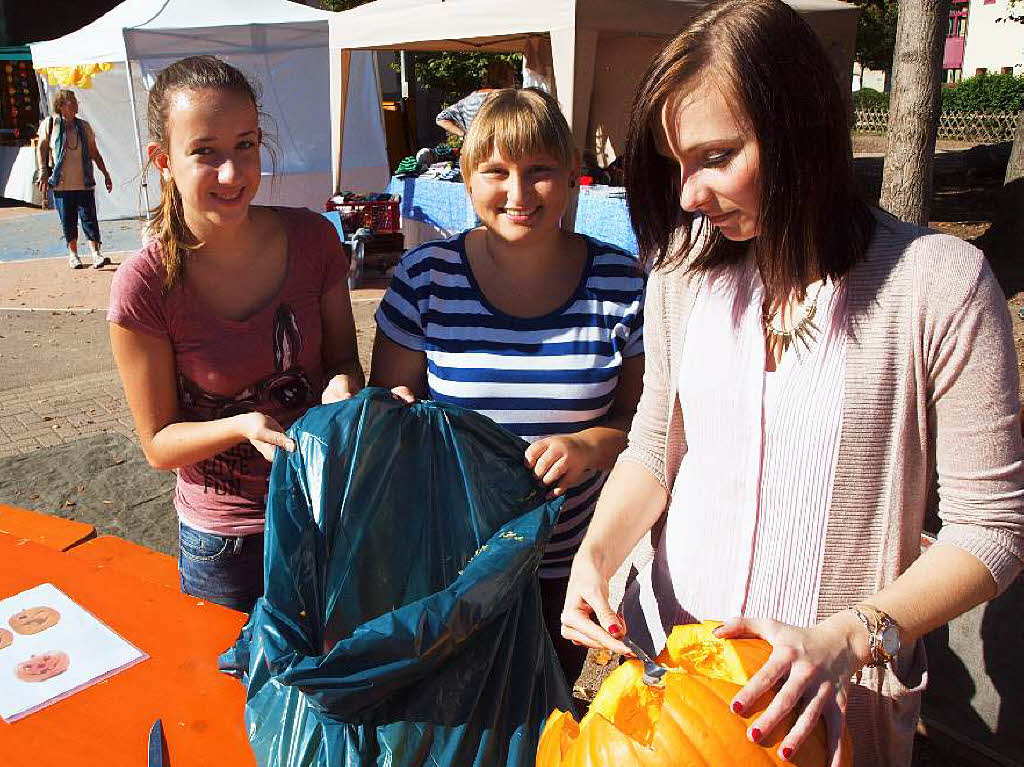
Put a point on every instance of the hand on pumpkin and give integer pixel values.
(811, 667)
(560, 462)
(587, 617)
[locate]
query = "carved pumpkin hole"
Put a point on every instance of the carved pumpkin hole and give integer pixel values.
(628, 703)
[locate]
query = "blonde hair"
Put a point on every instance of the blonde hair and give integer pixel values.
(517, 122)
(62, 96)
(167, 220)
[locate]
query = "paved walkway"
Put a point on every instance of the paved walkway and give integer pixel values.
(57, 379)
(29, 233)
(56, 412)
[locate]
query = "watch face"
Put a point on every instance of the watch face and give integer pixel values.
(890, 640)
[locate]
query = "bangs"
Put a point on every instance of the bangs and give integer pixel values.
(517, 123)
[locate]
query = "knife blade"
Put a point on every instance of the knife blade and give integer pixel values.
(157, 745)
(653, 671)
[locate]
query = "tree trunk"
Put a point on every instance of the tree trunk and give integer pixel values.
(914, 109)
(1015, 167)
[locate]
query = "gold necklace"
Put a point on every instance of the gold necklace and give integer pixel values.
(803, 333)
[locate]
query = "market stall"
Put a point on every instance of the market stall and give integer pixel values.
(589, 53)
(19, 115)
(281, 45)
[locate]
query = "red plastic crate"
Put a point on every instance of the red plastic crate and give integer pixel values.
(380, 216)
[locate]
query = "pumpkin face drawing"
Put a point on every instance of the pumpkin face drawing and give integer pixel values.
(6, 637)
(685, 721)
(41, 667)
(34, 619)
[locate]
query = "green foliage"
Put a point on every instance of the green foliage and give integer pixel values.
(876, 33)
(457, 74)
(1016, 14)
(341, 5)
(985, 93)
(869, 98)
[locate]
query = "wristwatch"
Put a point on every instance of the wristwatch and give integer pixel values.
(883, 633)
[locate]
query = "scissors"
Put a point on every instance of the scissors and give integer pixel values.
(157, 745)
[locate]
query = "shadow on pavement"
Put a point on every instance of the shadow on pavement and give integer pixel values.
(102, 480)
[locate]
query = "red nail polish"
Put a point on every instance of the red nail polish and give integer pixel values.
(614, 630)
(787, 752)
(755, 734)
(737, 707)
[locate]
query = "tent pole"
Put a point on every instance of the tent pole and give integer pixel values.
(138, 139)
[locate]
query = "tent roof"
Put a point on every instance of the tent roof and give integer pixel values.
(103, 40)
(494, 25)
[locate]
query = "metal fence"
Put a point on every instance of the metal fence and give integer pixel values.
(956, 126)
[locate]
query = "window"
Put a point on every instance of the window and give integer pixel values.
(981, 71)
(1006, 70)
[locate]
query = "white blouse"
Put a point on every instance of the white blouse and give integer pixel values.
(746, 525)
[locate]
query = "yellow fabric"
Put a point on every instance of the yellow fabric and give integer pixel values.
(79, 76)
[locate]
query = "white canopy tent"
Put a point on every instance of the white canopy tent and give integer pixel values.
(282, 46)
(589, 53)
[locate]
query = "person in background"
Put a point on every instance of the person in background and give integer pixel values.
(228, 325)
(457, 118)
(532, 325)
(67, 150)
(812, 365)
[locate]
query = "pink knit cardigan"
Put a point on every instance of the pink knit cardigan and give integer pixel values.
(931, 386)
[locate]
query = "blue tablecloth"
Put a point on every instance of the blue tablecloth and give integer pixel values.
(443, 204)
(601, 212)
(603, 215)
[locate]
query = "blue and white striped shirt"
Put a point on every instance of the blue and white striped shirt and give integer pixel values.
(537, 376)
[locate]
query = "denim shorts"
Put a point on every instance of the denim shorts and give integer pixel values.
(74, 205)
(226, 571)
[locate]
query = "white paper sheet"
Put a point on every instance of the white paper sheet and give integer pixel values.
(47, 654)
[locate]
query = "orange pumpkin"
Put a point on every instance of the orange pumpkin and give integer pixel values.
(686, 721)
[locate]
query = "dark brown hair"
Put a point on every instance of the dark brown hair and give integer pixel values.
(772, 67)
(167, 220)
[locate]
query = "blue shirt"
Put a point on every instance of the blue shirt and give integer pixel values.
(537, 376)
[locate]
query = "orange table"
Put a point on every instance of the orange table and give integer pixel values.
(54, 532)
(130, 558)
(107, 725)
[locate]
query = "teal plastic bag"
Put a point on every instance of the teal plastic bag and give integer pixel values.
(402, 621)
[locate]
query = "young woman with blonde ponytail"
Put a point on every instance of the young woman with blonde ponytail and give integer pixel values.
(228, 324)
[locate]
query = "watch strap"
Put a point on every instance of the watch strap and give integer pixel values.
(876, 622)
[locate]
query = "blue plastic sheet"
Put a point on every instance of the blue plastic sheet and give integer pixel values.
(402, 621)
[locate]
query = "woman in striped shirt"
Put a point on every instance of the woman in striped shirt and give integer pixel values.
(536, 327)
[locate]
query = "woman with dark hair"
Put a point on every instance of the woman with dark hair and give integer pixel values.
(812, 365)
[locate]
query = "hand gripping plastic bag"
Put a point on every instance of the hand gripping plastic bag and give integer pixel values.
(401, 623)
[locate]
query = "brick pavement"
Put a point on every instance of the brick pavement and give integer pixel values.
(52, 412)
(55, 412)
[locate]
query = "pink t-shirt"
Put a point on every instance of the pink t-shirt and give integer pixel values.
(270, 363)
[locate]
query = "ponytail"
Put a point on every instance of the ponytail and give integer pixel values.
(167, 226)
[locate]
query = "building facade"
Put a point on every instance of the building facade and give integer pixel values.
(982, 38)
